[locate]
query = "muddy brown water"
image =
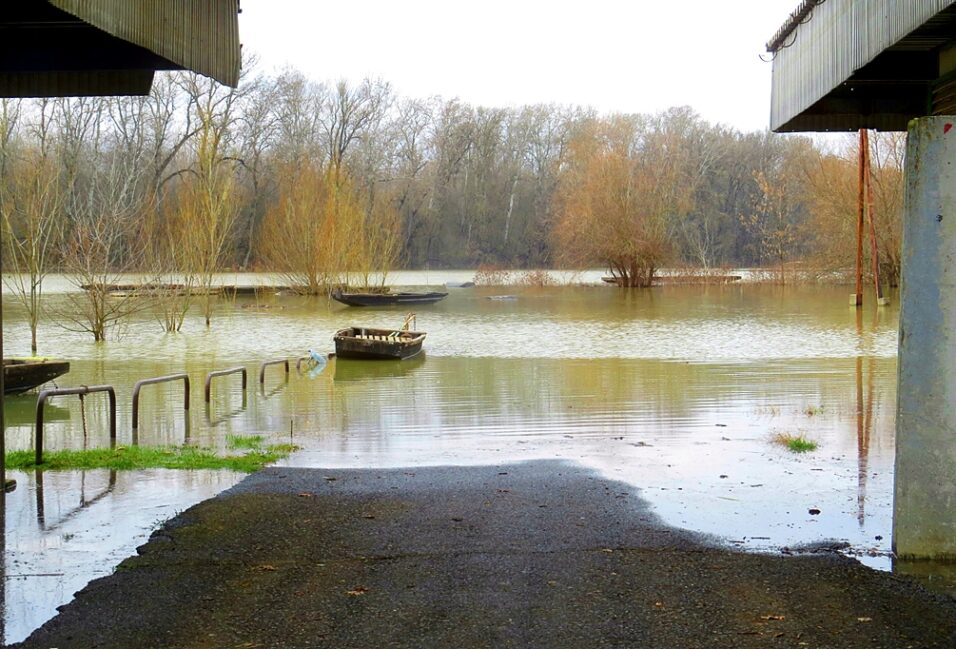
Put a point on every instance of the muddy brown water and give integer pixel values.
(678, 391)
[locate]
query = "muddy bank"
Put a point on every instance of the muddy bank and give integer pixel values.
(541, 554)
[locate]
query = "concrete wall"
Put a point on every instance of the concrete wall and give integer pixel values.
(924, 521)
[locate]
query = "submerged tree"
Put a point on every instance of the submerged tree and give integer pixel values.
(619, 197)
(305, 234)
(208, 197)
(103, 244)
(777, 215)
(31, 208)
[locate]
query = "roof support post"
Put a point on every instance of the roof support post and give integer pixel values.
(924, 507)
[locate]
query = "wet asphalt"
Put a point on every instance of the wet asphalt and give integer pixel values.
(540, 554)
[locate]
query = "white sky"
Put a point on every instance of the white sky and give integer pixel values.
(614, 55)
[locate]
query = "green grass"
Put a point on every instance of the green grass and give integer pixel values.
(244, 441)
(126, 458)
(796, 443)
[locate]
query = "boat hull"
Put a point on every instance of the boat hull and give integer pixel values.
(388, 299)
(20, 375)
(362, 343)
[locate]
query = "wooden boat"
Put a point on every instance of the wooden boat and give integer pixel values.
(377, 344)
(386, 299)
(22, 374)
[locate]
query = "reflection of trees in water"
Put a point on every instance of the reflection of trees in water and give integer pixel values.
(518, 395)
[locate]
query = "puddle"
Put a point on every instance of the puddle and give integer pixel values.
(71, 527)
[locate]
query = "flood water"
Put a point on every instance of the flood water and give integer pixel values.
(677, 391)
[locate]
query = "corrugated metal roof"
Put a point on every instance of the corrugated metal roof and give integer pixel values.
(821, 78)
(198, 35)
(75, 83)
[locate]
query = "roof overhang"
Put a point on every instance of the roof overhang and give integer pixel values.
(843, 65)
(112, 47)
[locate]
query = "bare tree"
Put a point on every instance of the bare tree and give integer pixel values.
(208, 197)
(620, 194)
(102, 243)
(31, 205)
(257, 130)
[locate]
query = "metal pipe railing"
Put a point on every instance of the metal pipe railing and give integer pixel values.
(161, 379)
(298, 362)
(278, 361)
(82, 390)
(231, 370)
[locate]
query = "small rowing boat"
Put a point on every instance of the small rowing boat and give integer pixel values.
(377, 344)
(387, 299)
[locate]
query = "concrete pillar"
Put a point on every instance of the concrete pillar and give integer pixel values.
(924, 507)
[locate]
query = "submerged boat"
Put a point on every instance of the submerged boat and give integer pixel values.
(385, 299)
(377, 344)
(22, 374)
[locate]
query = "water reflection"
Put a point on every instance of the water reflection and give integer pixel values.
(63, 529)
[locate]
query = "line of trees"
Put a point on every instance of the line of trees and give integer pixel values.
(316, 180)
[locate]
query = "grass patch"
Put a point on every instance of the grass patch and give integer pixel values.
(244, 441)
(811, 411)
(127, 458)
(796, 443)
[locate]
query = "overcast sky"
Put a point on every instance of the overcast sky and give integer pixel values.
(614, 55)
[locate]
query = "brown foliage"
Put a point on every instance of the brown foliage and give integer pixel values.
(831, 196)
(622, 186)
(318, 232)
(489, 275)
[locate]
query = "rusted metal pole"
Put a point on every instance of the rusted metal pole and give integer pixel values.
(160, 379)
(231, 370)
(857, 298)
(82, 390)
(874, 250)
(278, 361)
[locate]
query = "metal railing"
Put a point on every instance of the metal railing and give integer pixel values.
(82, 390)
(164, 379)
(231, 370)
(278, 361)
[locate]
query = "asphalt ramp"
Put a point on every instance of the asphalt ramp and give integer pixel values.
(538, 554)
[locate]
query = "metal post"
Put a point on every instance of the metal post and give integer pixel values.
(82, 390)
(278, 361)
(160, 379)
(857, 298)
(231, 370)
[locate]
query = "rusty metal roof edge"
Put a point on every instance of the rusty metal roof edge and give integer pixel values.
(797, 17)
(200, 36)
